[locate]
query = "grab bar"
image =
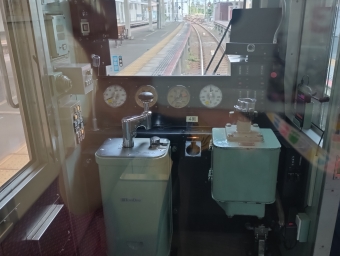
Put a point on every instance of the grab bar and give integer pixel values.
(3, 70)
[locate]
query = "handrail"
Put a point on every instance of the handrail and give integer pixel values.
(3, 70)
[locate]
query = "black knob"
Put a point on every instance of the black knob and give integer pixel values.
(155, 141)
(146, 97)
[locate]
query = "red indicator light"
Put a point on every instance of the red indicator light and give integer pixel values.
(273, 74)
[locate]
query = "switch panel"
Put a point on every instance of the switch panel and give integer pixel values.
(72, 124)
(56, 35)
(80, 75)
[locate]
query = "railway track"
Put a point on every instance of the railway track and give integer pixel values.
(202, 50)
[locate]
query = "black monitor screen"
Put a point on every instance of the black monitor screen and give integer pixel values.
(254, 25)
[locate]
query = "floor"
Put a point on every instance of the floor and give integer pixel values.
(12, 163)
(213, 244)
(214, 235)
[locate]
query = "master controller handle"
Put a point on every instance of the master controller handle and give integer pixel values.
(130, 124)
(146, 98)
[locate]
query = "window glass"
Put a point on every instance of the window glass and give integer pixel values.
(188, 47)
(333, 52)
(321, 108)
(319, 43)
(13, 150)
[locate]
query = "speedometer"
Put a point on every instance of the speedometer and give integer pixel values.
(211, 96)
(178, 96)
(114, 96)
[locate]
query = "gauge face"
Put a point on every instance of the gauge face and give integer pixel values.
(211, 96)
(178, 96)
(146, 88)
(114, 96)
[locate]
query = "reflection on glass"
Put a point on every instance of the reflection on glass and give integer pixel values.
(13, 150)
(319, 115)
(332, 57)
(178, 48)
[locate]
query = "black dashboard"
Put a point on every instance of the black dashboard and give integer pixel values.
(169, 112)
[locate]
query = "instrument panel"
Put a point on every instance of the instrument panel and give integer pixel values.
(175, 98)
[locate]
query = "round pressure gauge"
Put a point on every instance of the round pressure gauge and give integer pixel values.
(114, 96)
(146, 88)
(178, 96)
(210, 96)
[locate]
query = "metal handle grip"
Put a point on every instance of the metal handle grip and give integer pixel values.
(146, 98)
(3, 70)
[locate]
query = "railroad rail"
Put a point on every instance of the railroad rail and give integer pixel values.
(207, 45)
(201, 51)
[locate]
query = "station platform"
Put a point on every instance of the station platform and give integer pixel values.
(163, 58)
(223, 23)
(137, 23)
(218, 28)
(145, 43)
(165, 61)
(158, 52)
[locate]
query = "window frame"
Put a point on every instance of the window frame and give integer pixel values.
(31, 71)
(305, 43)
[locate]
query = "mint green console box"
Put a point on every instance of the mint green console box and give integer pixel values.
(136, 193)
(244, 174)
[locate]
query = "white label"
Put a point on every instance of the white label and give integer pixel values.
(192, 119)
(116, 64)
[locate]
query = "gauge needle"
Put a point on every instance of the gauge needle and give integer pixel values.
(115, 95)
(177, 96)
(175, 100)
(210, 95)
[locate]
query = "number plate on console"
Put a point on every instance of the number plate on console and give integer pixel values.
(192, 119)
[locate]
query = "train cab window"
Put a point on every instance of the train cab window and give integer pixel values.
(320, 115)
(14, 148)
(317, 58)
(333, 52)
(139, 127)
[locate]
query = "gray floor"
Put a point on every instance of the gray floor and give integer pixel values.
(212, 244)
